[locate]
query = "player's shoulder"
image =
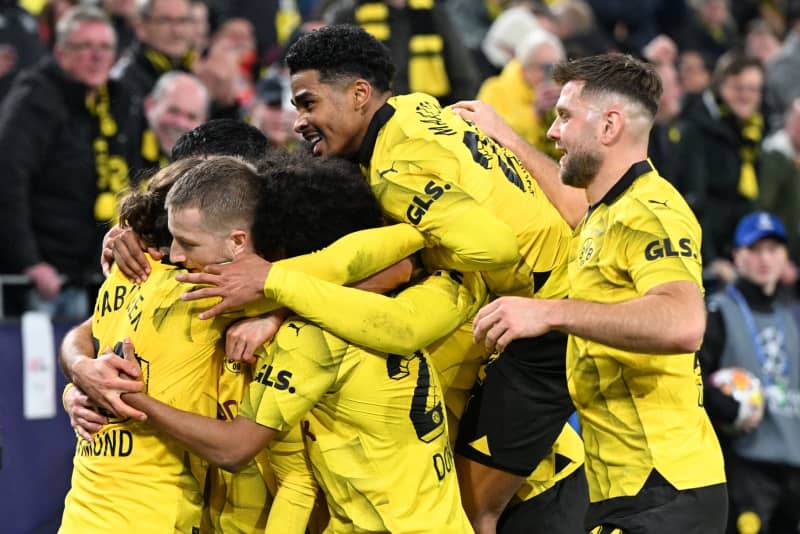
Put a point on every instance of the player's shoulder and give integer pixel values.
(309, 340)
(652, 199)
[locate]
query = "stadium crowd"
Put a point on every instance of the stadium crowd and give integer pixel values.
(350, 265)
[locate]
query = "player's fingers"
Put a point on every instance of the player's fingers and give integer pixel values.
(126, 256)
(249, 349)
(106, 258)
(503, 341)
(203, 293)
(233, 348)
(123, 410)
(198, 278)
(493, 334)
(480, 326)
(82, 431)
(249, 357)
(155, 253)
(90, 417)
(215, 310)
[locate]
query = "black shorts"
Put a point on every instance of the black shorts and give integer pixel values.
(515, 415)
(559, 510)
(661, 508)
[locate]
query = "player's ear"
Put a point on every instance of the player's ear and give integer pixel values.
(362, 92)
(240, 242)
(611, 127)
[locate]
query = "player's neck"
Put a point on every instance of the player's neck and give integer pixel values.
(614, 166)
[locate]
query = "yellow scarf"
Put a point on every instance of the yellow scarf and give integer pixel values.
(112, 169)
(426, 68)
(751, 133)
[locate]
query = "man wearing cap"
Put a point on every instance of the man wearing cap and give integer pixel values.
(749, 328)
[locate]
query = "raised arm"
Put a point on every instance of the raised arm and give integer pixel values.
(569, 201)
(350, 259)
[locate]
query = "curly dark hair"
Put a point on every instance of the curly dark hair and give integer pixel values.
(342, 51)
(222, 137)
(144, 211)
(307, 203)
(614, 73)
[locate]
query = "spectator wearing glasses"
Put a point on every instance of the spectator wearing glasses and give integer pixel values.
(524, 93)
(165, 29)
(63, 150)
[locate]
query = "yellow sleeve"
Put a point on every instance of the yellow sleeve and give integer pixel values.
(300, 366)
(448, 216)
(297, 487)
(359, 255)
(665, 247)
(416, 317)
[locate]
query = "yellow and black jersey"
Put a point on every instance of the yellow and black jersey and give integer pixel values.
(132, 477)
(638, 412)
(237, 502)
(376, 431)
(476, 205)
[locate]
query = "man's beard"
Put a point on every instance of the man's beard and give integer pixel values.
(580, 168)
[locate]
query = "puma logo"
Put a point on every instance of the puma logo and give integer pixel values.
(296, 328)
(659, 202)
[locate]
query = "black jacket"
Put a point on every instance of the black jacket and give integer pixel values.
(48, 172)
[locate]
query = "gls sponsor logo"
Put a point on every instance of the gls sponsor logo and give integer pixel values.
(420, 206)
(281, 380)
(663, 248)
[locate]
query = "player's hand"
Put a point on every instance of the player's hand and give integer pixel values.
(486, 118)
(45, 279)
(245, 337)
(128, 253)
(105, 378)
(508, 318)
(83, 416)
(107, 254)
(238, 283)
(388, 279)
(749, 416)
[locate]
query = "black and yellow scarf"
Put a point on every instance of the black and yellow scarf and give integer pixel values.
(426, 67)
(162, 63)
(749, 132)
(112, 168)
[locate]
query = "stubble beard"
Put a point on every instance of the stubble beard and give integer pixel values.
(580, 168)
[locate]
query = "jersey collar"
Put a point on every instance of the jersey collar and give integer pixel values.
(636, 170)
(380, 118)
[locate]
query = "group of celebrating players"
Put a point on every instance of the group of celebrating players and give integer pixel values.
(426, 315)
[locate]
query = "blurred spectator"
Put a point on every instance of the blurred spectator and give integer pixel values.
(122, 14)
(165, 29)
(665, 133)
(64, 147)
(575, 26)
(662, 49)
(271, 115)
(201, 18)
(761, 42)
(748, 328)
(784, 72)
(507, 30)
(694, 72)
(51, 13)
(711, 30)
(631, 25)
(425, 46)
(20, 46)
(228, 68)
(779, 177)
(524, 94)
(721, 133)
(178, 103)
(472, 19)
(262, 14)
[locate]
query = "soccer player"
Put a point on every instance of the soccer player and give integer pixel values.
(478, 209)
(129, 476)
(366, 412)
(635, 315)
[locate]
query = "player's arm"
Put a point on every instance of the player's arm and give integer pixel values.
(413, 319)
(669, 319)
(230, 445)
(98, 377)
(297, 487)
(348, 260)
(569, 201)
(447, 215)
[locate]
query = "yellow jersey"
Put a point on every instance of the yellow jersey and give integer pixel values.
(476, 205)
(132, 477)
(367, 413)
(638, 412)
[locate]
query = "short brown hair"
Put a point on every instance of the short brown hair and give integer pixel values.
(145, 211)
(614, 73)
(225, 190)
